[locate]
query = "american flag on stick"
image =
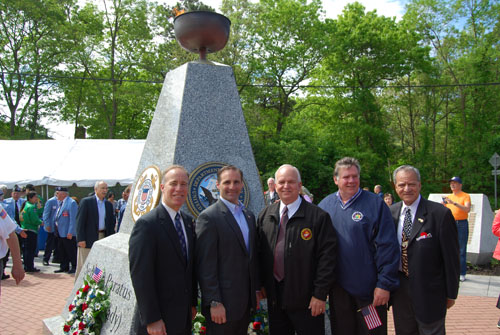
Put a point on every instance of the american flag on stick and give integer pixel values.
(97, 274)
(371, 317)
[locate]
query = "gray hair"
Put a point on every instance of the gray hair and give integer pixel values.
(270, 178)
(346, 162)
(289, 166)
(406, 168)
(97, 183)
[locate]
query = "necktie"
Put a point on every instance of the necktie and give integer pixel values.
(279, 251)
(16, 215)
(404, 241)
(180, 234)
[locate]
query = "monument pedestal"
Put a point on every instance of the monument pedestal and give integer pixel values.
(481, 242)
(198, 119)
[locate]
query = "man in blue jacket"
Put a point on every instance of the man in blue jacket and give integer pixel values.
(368, 253)
(64, 226)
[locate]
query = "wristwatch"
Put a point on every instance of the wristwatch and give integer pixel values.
(214, 303)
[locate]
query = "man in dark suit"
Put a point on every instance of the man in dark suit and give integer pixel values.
(161, 253)
(95, 220)
(429, 272)
(226, 258)
(271, 196)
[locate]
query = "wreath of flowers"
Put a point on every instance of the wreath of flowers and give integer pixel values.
(88, 310)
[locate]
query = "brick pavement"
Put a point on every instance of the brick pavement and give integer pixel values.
(43, 295)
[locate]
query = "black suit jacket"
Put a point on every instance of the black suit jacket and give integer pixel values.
(162, 278)
(433, 262)
(226, 271)
(87, 221)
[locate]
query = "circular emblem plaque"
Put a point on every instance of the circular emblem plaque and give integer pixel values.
(147, 192)
(203, 190)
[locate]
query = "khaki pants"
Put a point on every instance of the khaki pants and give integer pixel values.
(82, 256)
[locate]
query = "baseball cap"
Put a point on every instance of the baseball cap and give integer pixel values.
(457, 179)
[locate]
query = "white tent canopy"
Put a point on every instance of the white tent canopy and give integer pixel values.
(68, 162)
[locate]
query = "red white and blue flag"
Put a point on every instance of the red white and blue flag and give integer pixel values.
(97, 274)
(3, 214)
(371, 317)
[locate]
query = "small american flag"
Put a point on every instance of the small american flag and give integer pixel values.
(371, 317)
(97, 274)
(3, 214)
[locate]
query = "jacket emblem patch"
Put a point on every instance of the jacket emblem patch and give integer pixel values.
(357, 216)
(306, 234)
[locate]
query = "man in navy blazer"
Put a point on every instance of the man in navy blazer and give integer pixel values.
(161, 253)
(430, 285)
(226, 258)
(95, 220)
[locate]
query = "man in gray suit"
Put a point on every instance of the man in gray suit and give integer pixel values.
(225, 258)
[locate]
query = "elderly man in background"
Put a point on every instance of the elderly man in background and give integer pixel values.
(429, 267)
(63, 224)
(95, 220)
(271, 196)
(459, 203)
(121, 205)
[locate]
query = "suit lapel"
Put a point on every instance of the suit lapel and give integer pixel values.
(188, 225)
(168, 225)
(420, 219)
(231, 222)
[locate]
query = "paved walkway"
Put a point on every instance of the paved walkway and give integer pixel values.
(43, 295)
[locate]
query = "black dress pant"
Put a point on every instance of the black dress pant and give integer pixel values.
(29, 250)
(51, 246)
(297, 321)
(346, 317)
(67, 252)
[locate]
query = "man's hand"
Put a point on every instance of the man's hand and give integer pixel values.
(193, 312)
(82, 244)
(69, 236)
(218, 314)
(17, 265)
(317, 306)
(450, 303)
(157, 328)
(47, 228)
(380, 297)
(17, 272)
(23, 234)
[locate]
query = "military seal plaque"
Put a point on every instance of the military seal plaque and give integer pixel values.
(202, 189)
(147, 192)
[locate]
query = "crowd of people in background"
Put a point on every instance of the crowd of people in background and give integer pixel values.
(51, 226)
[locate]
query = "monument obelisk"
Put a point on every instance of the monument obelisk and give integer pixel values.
(199, 124)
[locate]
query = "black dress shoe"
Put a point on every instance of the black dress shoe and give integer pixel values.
(45, 263)
(61, 270)
(71, 271)
(34, 270)
(56, 261)
(4, 276)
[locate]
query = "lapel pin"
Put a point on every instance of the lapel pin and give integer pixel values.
(420, 220)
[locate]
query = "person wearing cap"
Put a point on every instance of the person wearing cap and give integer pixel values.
(51, 245)
(30, 221)
(63, 223)
(459, 203)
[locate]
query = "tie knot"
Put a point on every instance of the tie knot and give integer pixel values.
(177, 217)
(285, 210)
(408, 211)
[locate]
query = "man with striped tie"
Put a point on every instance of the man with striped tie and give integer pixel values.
(161, 252)
(430, 266)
